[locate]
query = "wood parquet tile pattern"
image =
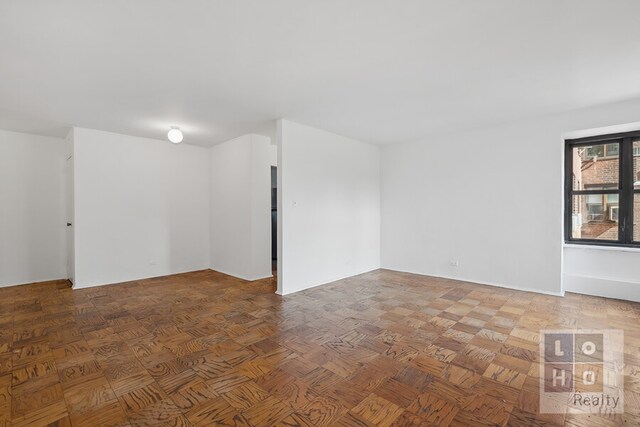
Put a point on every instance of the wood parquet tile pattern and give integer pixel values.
(379, 349)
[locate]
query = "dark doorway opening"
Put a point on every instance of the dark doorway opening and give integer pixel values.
(274, 219)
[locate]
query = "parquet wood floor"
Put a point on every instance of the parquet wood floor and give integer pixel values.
(202, 348)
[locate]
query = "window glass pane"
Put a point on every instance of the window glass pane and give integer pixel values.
(596, 167)
(613, 199)
(594, 216)
(636, 163)
(612, 150)
(636, 217)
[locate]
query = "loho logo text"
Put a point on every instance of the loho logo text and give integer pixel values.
(581, 371)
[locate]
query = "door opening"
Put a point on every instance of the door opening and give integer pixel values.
(274, 219)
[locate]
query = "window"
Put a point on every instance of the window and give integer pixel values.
(606, 150)
(602, 188)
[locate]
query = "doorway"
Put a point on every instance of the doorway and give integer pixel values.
(274, 220)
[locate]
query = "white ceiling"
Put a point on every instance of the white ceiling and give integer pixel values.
(380, 71)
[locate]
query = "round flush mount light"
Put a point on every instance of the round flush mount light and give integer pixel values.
(175, 135)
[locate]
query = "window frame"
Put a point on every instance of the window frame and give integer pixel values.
(625, 191)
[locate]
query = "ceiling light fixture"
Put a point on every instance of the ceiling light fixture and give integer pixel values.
(175, 135)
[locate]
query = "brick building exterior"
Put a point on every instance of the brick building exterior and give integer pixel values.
(597, 168)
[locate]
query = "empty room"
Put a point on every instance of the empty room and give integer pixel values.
(319, 213)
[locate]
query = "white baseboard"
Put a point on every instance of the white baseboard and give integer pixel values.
(608, 288)
(537, 291)
(239, 276)
(327, 282)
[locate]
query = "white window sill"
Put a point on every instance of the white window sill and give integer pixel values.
(601, 248)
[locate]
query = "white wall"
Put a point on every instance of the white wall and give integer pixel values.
(608, 272)
(241, 207)
(32, 208)
(69, 208)
(328, 206)
(490, 199)
(141, 207)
